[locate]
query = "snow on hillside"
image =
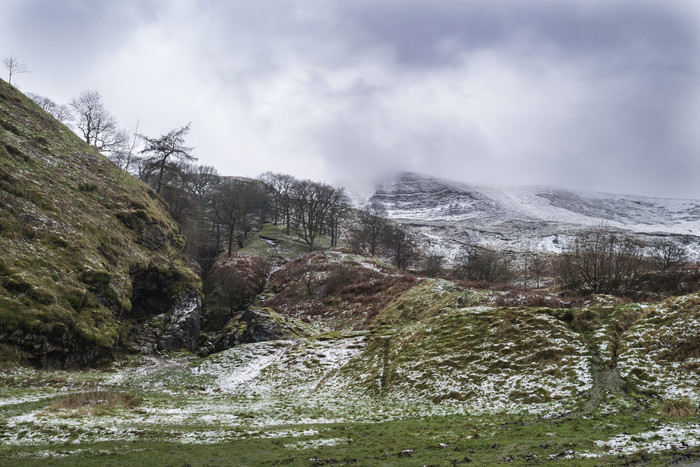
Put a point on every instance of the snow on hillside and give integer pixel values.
(450, 215)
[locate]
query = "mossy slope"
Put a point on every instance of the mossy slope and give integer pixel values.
(75, 232)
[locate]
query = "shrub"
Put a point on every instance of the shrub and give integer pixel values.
(485, 265)
(337, 279)
(432, 266)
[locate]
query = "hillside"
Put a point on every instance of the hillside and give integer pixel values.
(372, 367)
(322, 357)
(451, 215)
(88, 255)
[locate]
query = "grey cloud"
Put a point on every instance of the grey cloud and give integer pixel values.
(418, 31)
(582, 93)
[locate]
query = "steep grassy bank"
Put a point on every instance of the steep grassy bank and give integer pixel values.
(81, 244)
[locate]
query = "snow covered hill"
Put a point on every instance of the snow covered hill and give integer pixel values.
(451, 215)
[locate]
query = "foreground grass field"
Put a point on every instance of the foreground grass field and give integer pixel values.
(439, 440)
(448, 440)
(231, 409)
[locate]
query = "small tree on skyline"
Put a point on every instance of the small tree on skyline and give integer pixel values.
(14, 67)
(98, 126)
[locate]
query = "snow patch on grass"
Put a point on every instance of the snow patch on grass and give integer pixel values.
(673, 436)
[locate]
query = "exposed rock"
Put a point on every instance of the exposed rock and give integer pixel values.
(55, 353)
(257, 325)
(150, 233)
(182, 332)
(177, 329)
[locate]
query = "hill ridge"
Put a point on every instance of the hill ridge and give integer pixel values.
(450, 214)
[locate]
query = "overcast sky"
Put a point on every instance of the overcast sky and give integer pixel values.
(583, 94)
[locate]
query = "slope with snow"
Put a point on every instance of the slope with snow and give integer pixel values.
(451, 215)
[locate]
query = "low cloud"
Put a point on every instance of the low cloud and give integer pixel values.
(579, 94)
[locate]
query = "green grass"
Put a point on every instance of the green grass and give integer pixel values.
(287, 247)
(301, 409)
(453, 440)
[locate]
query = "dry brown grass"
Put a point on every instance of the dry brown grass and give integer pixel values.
(585, 320)
(682, 350)
(96, 401)
(335, 288)
(678, 408)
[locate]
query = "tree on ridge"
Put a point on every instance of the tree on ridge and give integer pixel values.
(13, 67)
(166, 152)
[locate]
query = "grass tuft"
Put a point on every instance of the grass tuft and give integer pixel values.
(96, 401)
(678, 408)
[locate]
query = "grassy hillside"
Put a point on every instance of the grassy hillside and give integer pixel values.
(437, 341)
(307, 359)
(78, 238)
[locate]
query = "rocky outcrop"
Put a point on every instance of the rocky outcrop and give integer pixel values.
(256, 325)
(182, 330)
(166, 314)
(57, 353)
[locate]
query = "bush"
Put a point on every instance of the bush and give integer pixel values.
(432, 266)
(337, 279)
(485, 266)
(600, 261)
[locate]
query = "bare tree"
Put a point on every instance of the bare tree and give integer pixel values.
(399, 240)
(432, 265)
(201, 179)
(668, 255)
(279, 185)
(165, 153)
(237, 205)
(486, 265)
(97, 125)
(60, 112)
(538, 268)
(371, 225)
(671, 268)
(14, 67)
(339, 207)
(601, 261)
(123, 155)
(311, 204)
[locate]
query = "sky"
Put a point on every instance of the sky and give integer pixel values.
(596, 95)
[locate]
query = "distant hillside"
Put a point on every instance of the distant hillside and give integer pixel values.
(452, 214)
(88, 254)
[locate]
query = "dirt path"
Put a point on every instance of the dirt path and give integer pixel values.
(606, 379)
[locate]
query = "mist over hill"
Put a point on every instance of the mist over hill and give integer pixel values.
(452, 215)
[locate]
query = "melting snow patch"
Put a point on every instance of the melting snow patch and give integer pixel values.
(674, 436)
(315, 443)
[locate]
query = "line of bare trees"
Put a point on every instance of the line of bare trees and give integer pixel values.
(602, 261)
(597, 260)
